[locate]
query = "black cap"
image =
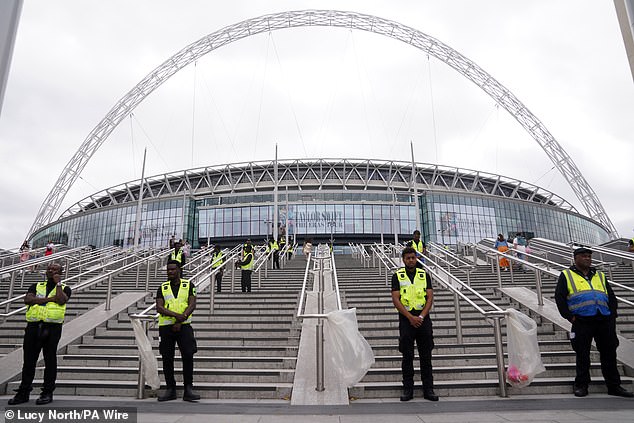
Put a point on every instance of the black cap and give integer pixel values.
(582, 250)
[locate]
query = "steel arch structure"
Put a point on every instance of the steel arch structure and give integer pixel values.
(323, 18)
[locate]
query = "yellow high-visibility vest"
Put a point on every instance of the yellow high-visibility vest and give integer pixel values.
(50, 312)
(177, 304)
(413, 295)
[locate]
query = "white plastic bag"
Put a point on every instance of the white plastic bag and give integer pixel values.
(351, 356)
(525, 362)
(150, 364)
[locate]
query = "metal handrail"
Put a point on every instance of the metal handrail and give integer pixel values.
(494, 315)
(16, 298)
(40, 260)
(320, 315)
(145, 318)
(83, 285)
(228, 257)
(539, 270)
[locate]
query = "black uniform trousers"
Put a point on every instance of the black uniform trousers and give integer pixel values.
(424, 338)
(603, 330)
(245, 280)
(219, 280)
(276, 259)
(40, 336)
(187, 346)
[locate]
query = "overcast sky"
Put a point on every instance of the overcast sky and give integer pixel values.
(316, 92)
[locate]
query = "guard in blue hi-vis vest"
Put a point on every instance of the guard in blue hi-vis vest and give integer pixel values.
(584, 297)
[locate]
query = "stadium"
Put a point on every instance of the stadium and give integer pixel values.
(348, 200)
(264, 352)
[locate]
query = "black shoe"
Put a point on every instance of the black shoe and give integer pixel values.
(168, 395)
(408, 394)
(189, 394)
(45, 398)
(620, 392)
(19, 399)
(430, 395)
(580, 391)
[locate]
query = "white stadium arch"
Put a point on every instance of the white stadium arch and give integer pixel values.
(323, 18)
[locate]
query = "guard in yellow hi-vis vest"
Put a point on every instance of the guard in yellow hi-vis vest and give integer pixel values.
(46, 303)
(412, 295)
(175, 303)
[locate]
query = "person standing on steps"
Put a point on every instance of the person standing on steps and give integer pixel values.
(46, 303)
(178, 254)
(419, 246)
(217, 260)
(413, 296)
(584, 298)
(175, 303)
(246, 264)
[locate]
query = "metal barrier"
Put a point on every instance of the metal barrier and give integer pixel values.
(455, 285)
(80, 286)
(205, 277)
(493, 255)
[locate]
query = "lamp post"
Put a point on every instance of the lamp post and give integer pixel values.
(331, 224)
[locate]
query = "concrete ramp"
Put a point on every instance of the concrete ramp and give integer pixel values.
(528, 298)
(11, 364)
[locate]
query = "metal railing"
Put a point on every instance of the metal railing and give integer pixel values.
(203, 278)
(319, 260)
(122, 266)
(493, 255)
(454, 284)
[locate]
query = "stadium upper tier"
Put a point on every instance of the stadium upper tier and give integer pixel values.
(319, 174)
(349, 199)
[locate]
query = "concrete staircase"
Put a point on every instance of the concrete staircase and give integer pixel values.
(247, 347)
(460, 369)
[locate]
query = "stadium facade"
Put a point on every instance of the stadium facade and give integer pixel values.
(348, 200)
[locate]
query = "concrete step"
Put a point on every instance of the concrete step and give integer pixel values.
(202, 361)
(207, 390)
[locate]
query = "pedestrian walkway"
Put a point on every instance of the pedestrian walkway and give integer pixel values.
(551, 408)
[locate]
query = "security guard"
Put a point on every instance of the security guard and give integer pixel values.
(276, 254)
(46, 303)
(175, 303)
(419, 246)
(584, 297)
(412, 295)
(282, 242)
(217, 260)
(178, 255)
(630, 246)
(246, 264)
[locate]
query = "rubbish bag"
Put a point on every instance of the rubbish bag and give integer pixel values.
(525, 362)
(351, 355)
(150, 364)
